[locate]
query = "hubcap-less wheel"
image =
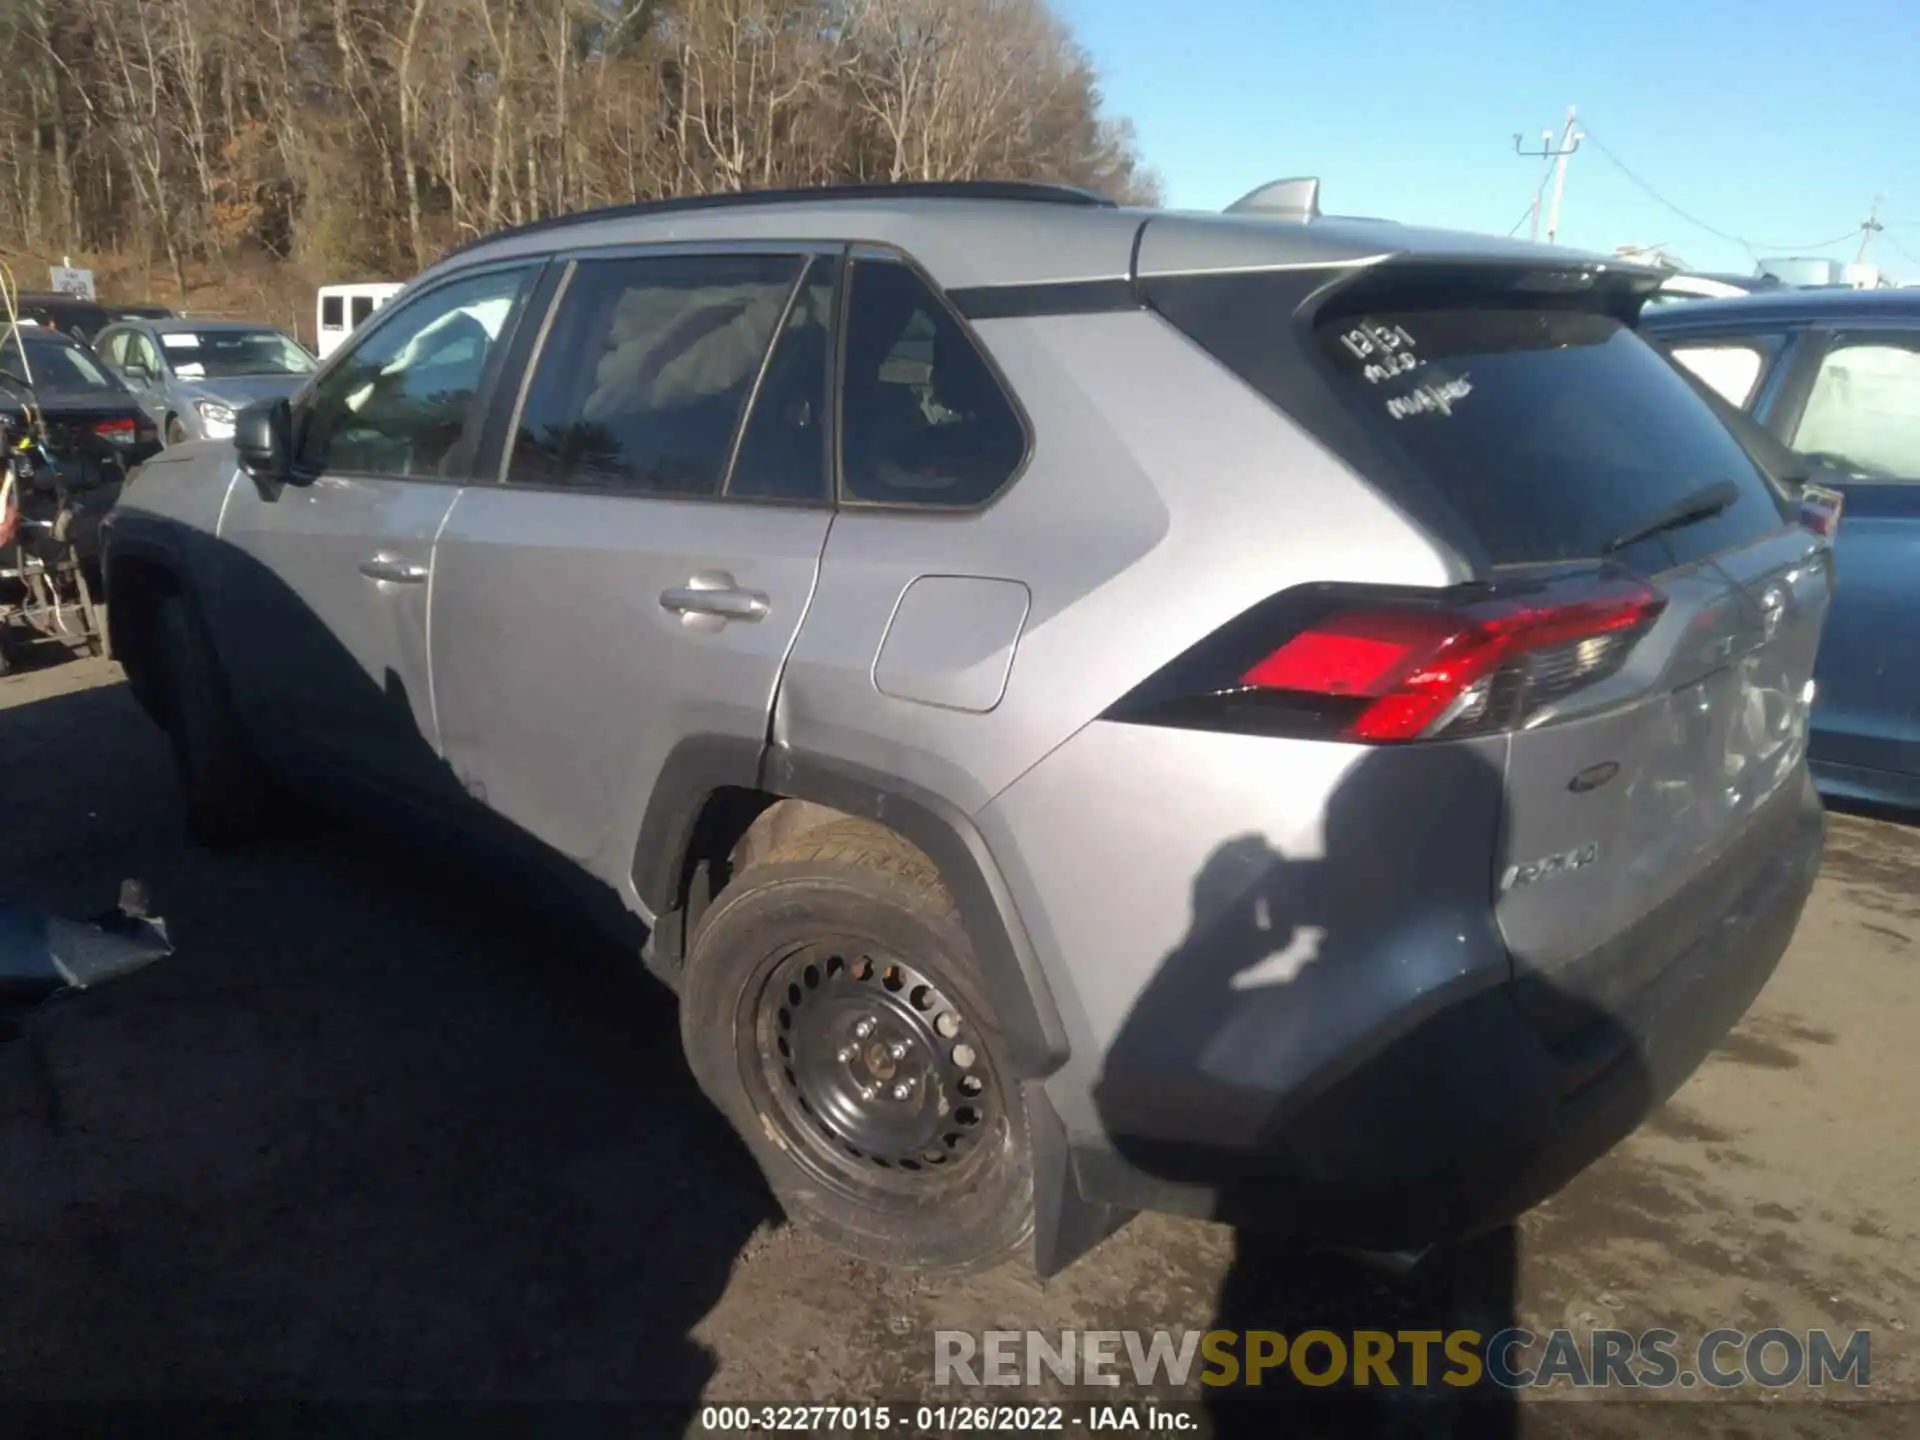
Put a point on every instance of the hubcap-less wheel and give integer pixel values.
(873, 1071)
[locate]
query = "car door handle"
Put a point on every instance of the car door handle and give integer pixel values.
(715, 594)
(394, 569)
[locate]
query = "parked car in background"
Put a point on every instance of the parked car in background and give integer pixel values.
(96, 430)
(1298, 720)
(193, 376)
(69, 314)
(1687, 286)
(339, 310)
(1835, 376)
(141, 312)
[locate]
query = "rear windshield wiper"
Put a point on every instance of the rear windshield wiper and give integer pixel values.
(1702, 504)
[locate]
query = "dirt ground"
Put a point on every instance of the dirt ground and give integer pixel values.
(377, 1131)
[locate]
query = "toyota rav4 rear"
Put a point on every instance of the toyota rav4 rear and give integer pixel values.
(1393, 900)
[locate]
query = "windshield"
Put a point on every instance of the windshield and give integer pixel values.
(223, 354)
(55, 366)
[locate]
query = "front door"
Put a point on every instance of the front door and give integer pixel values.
(322, 604)
(638, 576)
(136, 361)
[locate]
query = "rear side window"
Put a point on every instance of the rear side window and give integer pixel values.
(642, 380)
(923, 419)
(1550, 432)
(783, 450)
(1734, 368)
(362, 308)
(333, 313)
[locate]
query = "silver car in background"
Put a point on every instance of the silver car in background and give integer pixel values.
(1292, 719)
(194, 376)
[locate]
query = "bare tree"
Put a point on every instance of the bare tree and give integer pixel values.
(372, 133)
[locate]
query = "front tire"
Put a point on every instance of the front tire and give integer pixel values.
(832, 1010)
(176, 432)
(222, 784)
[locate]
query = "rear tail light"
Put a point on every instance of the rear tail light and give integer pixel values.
(120, 432)
(1394, 669)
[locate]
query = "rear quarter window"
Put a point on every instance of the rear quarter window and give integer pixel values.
(1549, 431)
(1734, 368)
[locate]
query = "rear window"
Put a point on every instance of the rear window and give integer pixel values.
(1526, 424)
(1550, 432)
(56, 366)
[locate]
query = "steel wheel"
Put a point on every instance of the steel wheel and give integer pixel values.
(871, 1068)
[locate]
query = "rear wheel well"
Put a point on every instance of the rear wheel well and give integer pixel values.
(739, 828)
(720, 790)
(136, 587)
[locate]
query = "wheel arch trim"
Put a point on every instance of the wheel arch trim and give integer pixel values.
(701, 765)
(126, 537)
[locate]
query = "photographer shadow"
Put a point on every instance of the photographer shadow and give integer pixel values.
(1378, 1166)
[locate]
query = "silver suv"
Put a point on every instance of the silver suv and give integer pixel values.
(1266, 716)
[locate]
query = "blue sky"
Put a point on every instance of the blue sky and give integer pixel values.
(1773, 122)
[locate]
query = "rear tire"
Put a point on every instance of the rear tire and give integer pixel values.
(222, 784)
(903, 1142)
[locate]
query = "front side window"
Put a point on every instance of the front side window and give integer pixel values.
(646, 370)
(227, 354)
(140, 356)
(400, 402)
(333, 311)
(923, 420)
(362, 308)
(1862, 416)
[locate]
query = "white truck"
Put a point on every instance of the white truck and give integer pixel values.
(341, 308)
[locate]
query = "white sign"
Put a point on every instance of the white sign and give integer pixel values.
(69, 281)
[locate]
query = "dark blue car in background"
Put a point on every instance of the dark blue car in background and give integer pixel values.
(1835, 376)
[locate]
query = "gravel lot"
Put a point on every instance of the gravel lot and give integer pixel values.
(376, 1131)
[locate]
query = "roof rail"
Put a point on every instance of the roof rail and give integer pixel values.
(1022, 190)
(1294, 199)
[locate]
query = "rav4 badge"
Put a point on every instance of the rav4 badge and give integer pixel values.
(1550, 867)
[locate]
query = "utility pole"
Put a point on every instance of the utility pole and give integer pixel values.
(1557, 157)
(1869, 230)
(1569, 142)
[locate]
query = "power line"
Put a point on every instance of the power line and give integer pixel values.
(1695, 220)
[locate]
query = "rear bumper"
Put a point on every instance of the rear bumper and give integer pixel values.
(1473, 1115)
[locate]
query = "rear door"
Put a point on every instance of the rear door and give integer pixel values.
(638, 574)
(1559, 440)
(1856, 414)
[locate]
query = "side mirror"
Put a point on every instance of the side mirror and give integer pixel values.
(263, 436)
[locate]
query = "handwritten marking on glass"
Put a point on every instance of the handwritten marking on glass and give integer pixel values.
(1431, 399)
